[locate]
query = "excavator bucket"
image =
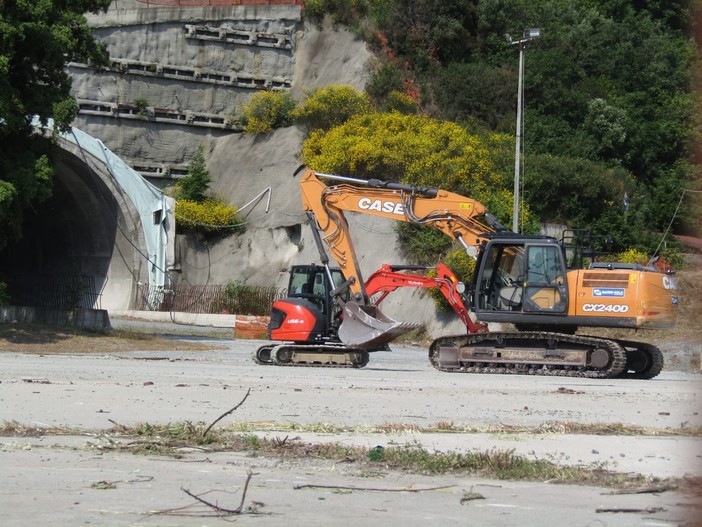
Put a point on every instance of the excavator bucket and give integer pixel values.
(367, 327)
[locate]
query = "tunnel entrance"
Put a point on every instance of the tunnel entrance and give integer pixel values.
(80, 248)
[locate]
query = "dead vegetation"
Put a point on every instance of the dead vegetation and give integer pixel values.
(51, 339)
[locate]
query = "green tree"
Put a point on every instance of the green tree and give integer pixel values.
(609, 82)
(430, 32)
(478, 93)
(195, 185)
(37, 39)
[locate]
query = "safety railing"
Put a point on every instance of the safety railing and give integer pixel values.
(233, 298)
(201, 3)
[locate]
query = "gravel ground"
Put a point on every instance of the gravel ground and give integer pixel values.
(76, 480)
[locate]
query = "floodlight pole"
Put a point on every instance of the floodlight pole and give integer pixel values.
(529, 35)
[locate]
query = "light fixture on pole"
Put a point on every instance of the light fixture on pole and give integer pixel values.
(529, 35)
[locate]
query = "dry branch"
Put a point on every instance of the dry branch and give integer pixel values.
(223, 510)
(370, 489)
(646, 490)
(225, 414)
(647, 510)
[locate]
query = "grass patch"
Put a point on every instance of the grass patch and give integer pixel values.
(193, 432)
(174, 439)
(448, 427)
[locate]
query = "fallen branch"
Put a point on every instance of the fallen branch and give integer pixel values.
(470, 496)
(645, 490)
(118, 425)
(370, 489)
(225, 414)
(647, 510)
(222, 510)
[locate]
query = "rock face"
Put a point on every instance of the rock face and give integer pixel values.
(177, 79)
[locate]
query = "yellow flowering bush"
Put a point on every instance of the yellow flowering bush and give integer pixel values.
(400, 102)
(631, 255)
(331, 106)
(267, 110)
(208, 216)
(413, 149)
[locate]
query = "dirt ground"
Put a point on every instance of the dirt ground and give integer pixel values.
(69, 456)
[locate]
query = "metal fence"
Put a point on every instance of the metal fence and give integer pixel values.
(235, 298)
(52, 291)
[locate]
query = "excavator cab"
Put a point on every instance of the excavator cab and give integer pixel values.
(310, 282)
(308, 313)
(520, 280)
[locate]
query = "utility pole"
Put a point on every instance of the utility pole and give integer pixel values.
(529, 35)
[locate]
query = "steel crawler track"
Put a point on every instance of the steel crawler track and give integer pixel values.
(522, 353)
(536, 353)
(310, 355)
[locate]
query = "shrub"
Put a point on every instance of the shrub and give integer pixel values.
(632, 256)
(314, 8)
(244, 299)
(5, 299)
(399, 102)
(386, 79)
(268, 110)
(141, 106)
(332, 106)
(422, 244)
(349, 12)
(670, 258)
(208, 216)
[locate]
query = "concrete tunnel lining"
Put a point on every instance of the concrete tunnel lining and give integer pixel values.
(89, 226)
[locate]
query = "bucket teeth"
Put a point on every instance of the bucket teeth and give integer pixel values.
(367, 327)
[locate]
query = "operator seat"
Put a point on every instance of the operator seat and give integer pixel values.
(509, 297)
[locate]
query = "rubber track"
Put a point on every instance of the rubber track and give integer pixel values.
(616, 368)
(309, 349)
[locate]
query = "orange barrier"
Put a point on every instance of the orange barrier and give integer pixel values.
(199, 3)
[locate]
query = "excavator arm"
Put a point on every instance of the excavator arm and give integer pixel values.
(388, 278)
(457, 216)
(454, 215)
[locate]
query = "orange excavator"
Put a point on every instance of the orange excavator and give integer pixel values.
(518, 279)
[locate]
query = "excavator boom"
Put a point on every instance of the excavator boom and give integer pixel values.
(453, 214)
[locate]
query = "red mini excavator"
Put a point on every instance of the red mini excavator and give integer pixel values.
(308, 319)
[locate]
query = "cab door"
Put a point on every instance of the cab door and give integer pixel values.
(519, 276)
(545, 286)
